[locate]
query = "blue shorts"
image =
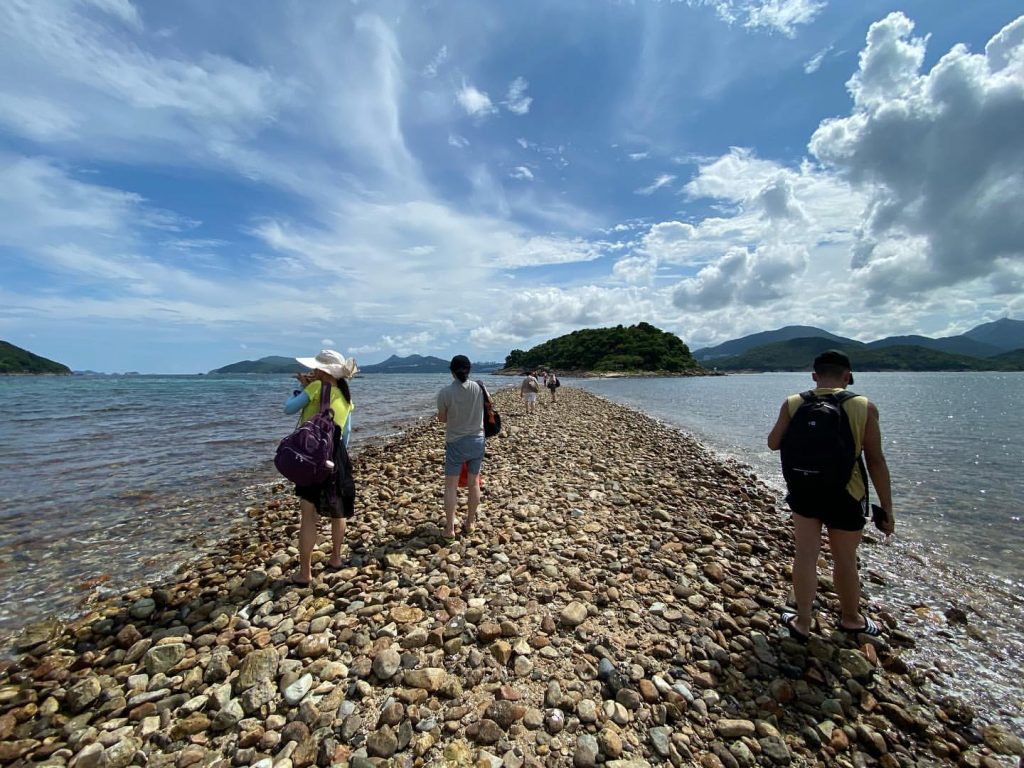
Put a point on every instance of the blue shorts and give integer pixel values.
(464, 450)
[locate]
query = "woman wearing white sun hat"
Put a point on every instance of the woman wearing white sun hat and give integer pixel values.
(334, 498)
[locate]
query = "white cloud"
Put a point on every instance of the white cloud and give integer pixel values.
(774, 15)
(409, 343)
(476, 103)
(662, 180)
(638, 155)
(813, 64)
(327, 343)
(517, 102)
(522, 172)
(939, 155)
(430, 71)
(459, 142)
(744, 277)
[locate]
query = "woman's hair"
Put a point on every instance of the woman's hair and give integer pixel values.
(345, 391)
(460, 366)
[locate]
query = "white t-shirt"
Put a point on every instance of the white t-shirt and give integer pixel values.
(464, 402)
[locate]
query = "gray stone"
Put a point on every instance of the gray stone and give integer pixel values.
(660, 740)
(160, 658)
(382, 743)
(735, 729)
(387, 663)
(586, 752)
(142, 608)
(586, 711)
(297, 691)
(256, 667)
(574, 614)
(82, 694)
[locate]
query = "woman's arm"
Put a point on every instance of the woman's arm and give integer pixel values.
(298, 401)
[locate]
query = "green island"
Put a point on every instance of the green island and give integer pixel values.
(14, 360)
(639, 348)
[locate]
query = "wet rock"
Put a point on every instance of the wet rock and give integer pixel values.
(1002, 741)
(82, 694)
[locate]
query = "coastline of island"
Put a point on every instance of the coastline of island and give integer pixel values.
(616, 604)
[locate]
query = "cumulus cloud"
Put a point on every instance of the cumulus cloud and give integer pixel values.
(522, 172)
(517, 102)
(939, 155)
(662, 180)
(778, 200)
(475, 102)
(752, 278)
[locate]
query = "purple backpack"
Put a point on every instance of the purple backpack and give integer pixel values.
(306, 456)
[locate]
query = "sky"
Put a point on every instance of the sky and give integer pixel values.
(184, 185)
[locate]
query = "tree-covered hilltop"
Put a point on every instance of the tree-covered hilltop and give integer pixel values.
(799, 354)
(640, 347)
(17, 360)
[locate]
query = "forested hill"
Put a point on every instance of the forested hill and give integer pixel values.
(640, 347)
(17, 360)
(272, 364)
(798, 354)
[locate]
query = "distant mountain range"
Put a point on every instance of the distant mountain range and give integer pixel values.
(993, 346)
(394, 364)
(17, 360)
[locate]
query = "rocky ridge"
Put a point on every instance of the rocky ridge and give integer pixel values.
(616, 606)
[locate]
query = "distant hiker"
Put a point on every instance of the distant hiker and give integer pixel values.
(552, 384)
(822, 434)
(528, 391)
(334, 498)
(460, 407)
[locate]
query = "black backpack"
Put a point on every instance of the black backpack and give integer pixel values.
(818, 449)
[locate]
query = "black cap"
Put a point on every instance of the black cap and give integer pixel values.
(836, 358)
(459, 363)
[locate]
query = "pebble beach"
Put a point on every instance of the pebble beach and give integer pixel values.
(616, 605)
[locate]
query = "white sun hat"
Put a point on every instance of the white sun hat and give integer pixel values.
(332, 363)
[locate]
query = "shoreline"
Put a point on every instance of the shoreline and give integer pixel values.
(615, 556)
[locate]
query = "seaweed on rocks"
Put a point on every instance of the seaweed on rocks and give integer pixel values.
(616, 604)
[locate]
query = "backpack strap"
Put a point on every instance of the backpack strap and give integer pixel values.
(487, 398)
(842, 397)
(325, 397)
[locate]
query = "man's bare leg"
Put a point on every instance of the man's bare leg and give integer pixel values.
(845, 576)
(807, 534)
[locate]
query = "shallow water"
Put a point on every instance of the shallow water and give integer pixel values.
(952, 444)
(121, 475)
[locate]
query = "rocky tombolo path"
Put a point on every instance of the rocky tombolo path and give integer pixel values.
(616, 605)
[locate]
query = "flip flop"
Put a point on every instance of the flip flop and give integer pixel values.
(448, 539)
(468, 528)
(788, 619)
(870, 628)
(299, 583)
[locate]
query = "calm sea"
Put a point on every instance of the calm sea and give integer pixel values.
(116, 476)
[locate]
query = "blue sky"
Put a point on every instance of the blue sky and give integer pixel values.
(187, 184)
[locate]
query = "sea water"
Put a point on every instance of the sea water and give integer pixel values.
(117, 477)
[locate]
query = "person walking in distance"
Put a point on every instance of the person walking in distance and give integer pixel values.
(335, 497)
(460, 407)
(823, 433)
(528, 391)
(552, 384)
